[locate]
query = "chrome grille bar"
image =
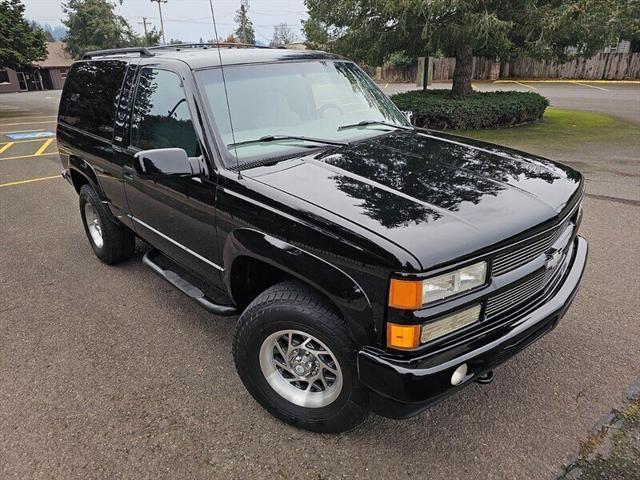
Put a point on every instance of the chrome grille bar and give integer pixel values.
(515, 295)
(508, 261)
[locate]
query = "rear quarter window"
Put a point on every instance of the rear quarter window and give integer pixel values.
(91, 94)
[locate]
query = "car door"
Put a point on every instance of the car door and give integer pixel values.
(175, 214)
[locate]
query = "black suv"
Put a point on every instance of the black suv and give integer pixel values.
(374, 266)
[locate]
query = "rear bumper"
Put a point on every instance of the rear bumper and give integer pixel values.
(403, 388)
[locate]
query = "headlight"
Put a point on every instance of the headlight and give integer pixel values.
(409, 337)
(455, 282)
(444, 326)
(413, 294)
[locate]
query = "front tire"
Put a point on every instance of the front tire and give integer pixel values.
(111, 241)
(295, 356)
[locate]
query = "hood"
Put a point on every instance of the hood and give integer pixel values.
(440, 197)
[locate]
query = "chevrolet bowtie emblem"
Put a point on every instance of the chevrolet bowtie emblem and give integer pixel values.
(553, 259)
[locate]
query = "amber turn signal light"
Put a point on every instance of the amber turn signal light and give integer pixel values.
(403, 336)
(405, 294)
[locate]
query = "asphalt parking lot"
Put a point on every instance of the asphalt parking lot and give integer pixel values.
(108, 372)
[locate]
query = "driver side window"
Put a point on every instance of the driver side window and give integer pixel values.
(161, 116)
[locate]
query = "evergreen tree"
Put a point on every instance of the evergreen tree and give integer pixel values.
(244, 31)
(20, 42)
(503, 29)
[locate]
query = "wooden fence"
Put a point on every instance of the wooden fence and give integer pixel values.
(603, 66)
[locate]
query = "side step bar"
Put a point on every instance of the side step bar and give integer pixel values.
(185, 287)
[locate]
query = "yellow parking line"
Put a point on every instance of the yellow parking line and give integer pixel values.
(25, 123)
(31, 180)
(29, 156)
(6, 146)
(44, 146)
(27, 117)
(24, 141)
(590, 86)
(519, 83)
(609, 82)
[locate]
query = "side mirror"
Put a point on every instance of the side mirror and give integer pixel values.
(409, 115)
(164, 161)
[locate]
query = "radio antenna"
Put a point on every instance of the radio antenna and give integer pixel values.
(226, 93)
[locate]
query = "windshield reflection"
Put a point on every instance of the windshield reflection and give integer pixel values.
(311, 99)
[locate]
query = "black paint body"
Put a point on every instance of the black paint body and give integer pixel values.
(345, 220)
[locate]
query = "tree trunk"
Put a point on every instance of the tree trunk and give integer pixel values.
(463, 71)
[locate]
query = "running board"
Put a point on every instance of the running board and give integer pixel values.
(186, 287)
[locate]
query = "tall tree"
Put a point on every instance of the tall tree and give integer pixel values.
(244, 31)
(94, 25)
(282, 35)
(369, 31)
(150, 38)
(48, 36)
(20, 43)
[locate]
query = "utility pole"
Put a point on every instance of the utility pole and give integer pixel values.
(144, 25)
(160, 2)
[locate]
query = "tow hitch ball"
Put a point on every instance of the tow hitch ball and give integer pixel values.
(486, 378)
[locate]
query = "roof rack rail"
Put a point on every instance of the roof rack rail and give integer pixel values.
(117, 51)
(208, 44)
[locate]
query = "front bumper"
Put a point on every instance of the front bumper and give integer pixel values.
(402, 388)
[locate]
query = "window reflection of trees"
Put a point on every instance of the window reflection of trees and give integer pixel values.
(93, 94)
(152, 128)
(360, 83)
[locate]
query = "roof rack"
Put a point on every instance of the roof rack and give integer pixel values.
(211, 45)
(117, 51)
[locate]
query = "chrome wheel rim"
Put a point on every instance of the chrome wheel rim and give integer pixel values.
(300, 368)
(93, 224)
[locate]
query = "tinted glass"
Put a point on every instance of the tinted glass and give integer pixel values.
(123, 114)
(308, 99)
(161, 116)
(91, 94)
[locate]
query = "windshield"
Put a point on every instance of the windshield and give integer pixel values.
(303, 99)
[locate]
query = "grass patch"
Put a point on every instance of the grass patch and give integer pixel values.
(561, 128)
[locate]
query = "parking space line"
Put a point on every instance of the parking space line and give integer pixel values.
(31, 180)
(27, 117)
(517, 82)
(590, 86)
(23, 131)
(26, 123)
(29, 156)
(6, 146)
(23, 141)
(43, 147)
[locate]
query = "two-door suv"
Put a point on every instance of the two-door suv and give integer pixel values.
(374, 266)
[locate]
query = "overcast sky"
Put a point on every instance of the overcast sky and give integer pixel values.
(188, 20)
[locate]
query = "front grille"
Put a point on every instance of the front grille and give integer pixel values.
(516, 295)
(525, 291)
(508, 261)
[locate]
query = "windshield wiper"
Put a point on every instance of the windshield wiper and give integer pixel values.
(276, 138)
(366, 123)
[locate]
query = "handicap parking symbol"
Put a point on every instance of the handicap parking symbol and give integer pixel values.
(25, 135)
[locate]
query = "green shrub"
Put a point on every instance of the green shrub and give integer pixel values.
(435, 108)
(400, 61)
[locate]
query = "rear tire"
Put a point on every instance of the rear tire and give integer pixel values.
(295, 356)
(111, 241)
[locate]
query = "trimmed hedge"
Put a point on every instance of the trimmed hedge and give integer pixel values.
(435, 109)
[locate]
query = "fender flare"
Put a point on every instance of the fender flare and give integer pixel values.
(338, 286)
(81, 167)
